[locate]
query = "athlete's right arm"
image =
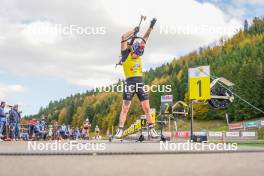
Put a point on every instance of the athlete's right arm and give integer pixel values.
(124, 38)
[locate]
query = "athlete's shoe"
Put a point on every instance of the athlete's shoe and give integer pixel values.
(119, 133)
(153, 133)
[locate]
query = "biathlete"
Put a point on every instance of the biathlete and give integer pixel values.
(132, 66)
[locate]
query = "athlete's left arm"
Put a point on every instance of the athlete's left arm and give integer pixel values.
(146, 35)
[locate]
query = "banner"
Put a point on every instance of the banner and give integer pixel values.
(182, 134)
(200, 133)
(199, 83)
(262, 122)
(166, 98)
(215, 134)
(248, 134)
(137, 125)
(153, 115)
(251, 124)
(233, 126)
(232, 134)
(166, 104)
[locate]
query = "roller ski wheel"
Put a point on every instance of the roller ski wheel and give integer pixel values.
(163, 138)
(141, 138)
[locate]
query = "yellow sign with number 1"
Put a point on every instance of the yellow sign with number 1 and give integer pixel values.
(199, 83)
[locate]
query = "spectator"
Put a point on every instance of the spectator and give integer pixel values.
(31, 126)
(62, 131)
(15, 118)
(97, 131)
(86, 129)
(2, 118)
(77, 134)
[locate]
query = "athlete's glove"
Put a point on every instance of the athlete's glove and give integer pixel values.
(152, 23)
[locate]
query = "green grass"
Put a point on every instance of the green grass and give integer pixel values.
(252, 144)
(213, 125)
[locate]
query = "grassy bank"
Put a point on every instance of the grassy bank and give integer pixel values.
(215, 125)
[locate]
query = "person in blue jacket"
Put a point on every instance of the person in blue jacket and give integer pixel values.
(42, 124)
(77, 134)
(39, 130)
(2, 118)
(62, 131)
(15, 122)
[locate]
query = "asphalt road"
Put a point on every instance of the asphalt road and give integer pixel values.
(213, 164)
(105, 147)
(127, 158)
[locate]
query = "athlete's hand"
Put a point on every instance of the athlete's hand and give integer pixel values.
(152, 23)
